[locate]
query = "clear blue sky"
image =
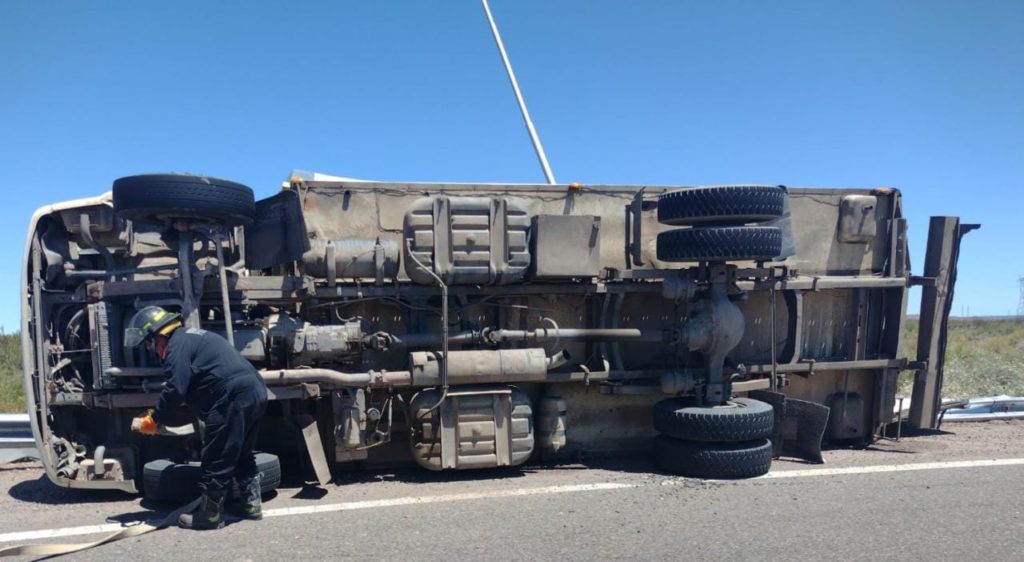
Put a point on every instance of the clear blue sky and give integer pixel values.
(925, 96)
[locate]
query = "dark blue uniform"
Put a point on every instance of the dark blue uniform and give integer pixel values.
(225, 391)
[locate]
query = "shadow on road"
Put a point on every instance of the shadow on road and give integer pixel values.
(41, 490)
(911, 431)
(634, 464)
(310, 492)
(139, 516)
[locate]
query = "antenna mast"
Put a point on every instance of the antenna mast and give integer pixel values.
(519, 98)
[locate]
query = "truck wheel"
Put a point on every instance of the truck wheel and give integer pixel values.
(162, 197)
(723, 205)
(720, 243)
(713, 460)
(164, 480)
(741, 419)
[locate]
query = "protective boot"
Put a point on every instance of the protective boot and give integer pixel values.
(209, 514)
(249, 505)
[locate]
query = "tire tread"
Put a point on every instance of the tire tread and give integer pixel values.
(153, 197)
(734, 204)
(164, 480)
(720, 243)
(749, 420)
(713, 460)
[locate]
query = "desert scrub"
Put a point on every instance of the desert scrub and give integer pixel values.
(12, 393)
(983, 357)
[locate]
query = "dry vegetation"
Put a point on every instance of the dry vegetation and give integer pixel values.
(983, 358)
(12, 395)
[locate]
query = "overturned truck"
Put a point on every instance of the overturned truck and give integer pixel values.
(466, 326)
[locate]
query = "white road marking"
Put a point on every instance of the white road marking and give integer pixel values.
(891, 468)
(64, 532)
(417, 500)
(347, 506)
(420, 500)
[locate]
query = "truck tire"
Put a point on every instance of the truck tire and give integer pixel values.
(713, 460)
(723, 205)
(164, 480)
(158, 198)
(742, 419)
(720, 243)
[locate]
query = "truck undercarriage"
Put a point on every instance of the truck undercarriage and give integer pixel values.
(480, 325)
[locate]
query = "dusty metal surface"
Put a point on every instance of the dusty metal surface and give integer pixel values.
(944, 235)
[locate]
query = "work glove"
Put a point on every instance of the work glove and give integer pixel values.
(144, 424)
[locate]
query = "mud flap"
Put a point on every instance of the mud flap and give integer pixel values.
(278, 233)
(799, 426)
(314, 448)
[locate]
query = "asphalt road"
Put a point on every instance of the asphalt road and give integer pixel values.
(948, 496)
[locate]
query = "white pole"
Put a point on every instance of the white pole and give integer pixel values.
(519, 97)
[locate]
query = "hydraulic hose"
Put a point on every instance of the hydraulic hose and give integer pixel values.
(444, 327)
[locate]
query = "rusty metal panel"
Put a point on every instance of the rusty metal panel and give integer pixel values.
(314, 448)
(830, 320)
(278, 234)
(599, 423)
(566, 246)
(892, 311)
(338, 210)
(858, 220)
(756, 345)
(822, 385)
(816, 228)
(944, 234)
(638, 311)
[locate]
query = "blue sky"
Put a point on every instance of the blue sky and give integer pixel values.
(925, 96)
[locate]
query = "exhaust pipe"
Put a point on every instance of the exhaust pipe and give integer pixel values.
(329, 376)
(425, 369)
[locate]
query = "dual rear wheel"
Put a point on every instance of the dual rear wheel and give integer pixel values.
(718, 224)
(724, 223)
(717, 442)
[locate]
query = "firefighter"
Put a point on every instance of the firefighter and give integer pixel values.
(224, 391)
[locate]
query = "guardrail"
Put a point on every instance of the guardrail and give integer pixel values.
(989, 408)
(16, 440)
